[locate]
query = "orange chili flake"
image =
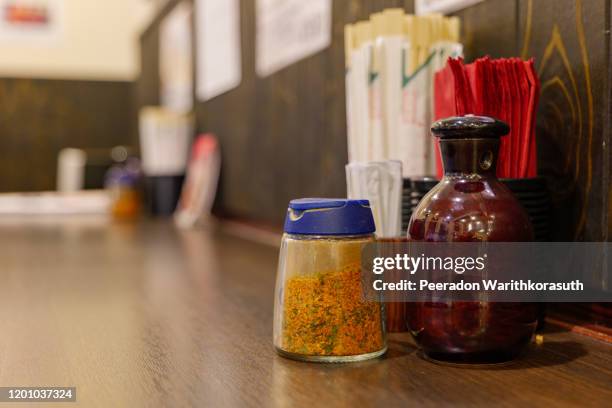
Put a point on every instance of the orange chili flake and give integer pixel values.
(325, 315)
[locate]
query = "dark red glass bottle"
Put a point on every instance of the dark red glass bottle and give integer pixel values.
(470, 205)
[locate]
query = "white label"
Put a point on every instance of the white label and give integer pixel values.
(442, 6)
(290, 30)
(164, 143)
(219, 66)
(176, 59)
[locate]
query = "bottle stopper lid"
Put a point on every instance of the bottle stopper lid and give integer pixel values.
(470, 127)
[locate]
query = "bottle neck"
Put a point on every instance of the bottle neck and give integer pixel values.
(470, 156)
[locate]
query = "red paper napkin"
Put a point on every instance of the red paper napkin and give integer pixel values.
(504, 88)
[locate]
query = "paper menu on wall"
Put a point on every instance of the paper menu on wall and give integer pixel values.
(219, 65)
(176, 59)
(27, 22)
(290, 30)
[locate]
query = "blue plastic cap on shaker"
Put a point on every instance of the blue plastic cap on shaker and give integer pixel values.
(329, 216)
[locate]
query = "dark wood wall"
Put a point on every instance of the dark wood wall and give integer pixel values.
(40, 117)
(285, 136)
(570, 41)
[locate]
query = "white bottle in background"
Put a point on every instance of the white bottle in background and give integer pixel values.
(71, 170)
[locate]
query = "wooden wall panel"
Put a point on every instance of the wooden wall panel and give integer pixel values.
(489, 28)
(283, 136)
(40, 117)
(570, 42)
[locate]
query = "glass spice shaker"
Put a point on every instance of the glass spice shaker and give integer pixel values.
(320, 313)
(470, 205)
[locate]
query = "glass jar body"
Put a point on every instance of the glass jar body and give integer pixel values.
(319, 311)
(471, 207)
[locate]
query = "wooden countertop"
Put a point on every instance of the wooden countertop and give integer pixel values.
(149, 316)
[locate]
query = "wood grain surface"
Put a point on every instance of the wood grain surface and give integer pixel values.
(148, 316)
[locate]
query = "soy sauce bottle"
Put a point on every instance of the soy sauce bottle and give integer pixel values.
(470, 205)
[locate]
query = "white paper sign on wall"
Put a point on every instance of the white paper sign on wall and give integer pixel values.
(442, 6)
(219, 64)
(290, 30)
(27, 22)
(176, 59)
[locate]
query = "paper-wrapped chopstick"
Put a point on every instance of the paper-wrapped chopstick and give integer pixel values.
(381, 184)
(403, 51)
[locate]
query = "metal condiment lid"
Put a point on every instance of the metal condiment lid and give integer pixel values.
(329, 216)
(470, 126)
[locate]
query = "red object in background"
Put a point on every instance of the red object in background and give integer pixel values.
(505, 88)
(200, 187)
(26, 14)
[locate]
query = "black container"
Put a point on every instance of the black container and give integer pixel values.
(162, 194)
